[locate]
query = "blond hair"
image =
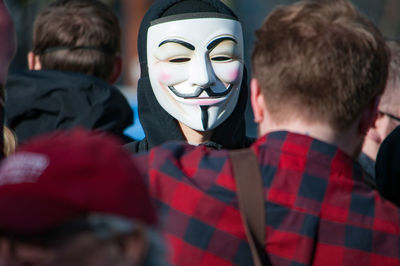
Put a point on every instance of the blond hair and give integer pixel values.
(10, 141)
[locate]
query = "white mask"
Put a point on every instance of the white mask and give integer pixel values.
(196, 68)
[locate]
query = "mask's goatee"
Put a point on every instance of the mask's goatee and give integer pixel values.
(204, 116)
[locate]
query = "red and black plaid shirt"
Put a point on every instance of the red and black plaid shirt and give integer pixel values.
(318, 209)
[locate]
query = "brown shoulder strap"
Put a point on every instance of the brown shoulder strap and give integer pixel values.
(251, 201)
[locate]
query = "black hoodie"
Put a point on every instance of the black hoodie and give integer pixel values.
(158, 125)
(43, 101)
(387, 167)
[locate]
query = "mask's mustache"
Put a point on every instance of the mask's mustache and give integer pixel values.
(199, 90)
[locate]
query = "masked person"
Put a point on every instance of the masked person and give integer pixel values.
(193, 81)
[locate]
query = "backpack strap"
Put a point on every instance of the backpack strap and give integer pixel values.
(251, 201)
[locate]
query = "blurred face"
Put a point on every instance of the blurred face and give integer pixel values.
(7, 41)
(386, 122)
(82, 249)
(195, 69)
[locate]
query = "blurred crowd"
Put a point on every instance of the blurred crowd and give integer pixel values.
(277, 145)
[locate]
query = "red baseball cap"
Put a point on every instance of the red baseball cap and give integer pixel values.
(55, 178)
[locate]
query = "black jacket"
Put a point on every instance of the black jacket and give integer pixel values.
(158, 125)
(43, 101)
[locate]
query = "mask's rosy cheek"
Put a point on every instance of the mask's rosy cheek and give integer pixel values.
(169, 74)
(233, 74)
(164, 77)
(228, 72)
(162, 74)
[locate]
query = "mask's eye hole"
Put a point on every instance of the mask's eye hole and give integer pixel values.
(179, 60)
(221, 58)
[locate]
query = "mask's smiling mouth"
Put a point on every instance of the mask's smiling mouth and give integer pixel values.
(204, 101)
(199, 91)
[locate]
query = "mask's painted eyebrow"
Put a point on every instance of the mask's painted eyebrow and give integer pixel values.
(218, 41)
(183, 43)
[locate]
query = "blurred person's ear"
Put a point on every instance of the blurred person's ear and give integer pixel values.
(257, 101)
(373, 132)
(369, 118)
(259, 106)
(116, 70)
(34, 61)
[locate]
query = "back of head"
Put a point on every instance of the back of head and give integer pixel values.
(319, 61)
(79, 36)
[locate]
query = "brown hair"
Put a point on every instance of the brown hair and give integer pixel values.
(77, 35)
(321, 60)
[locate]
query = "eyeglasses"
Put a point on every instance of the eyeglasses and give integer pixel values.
(395, 118)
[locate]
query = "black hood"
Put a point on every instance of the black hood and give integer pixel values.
(42, 101)
(387, 167)
(158, 125)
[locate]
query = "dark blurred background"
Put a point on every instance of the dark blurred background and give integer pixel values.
(384, 13)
